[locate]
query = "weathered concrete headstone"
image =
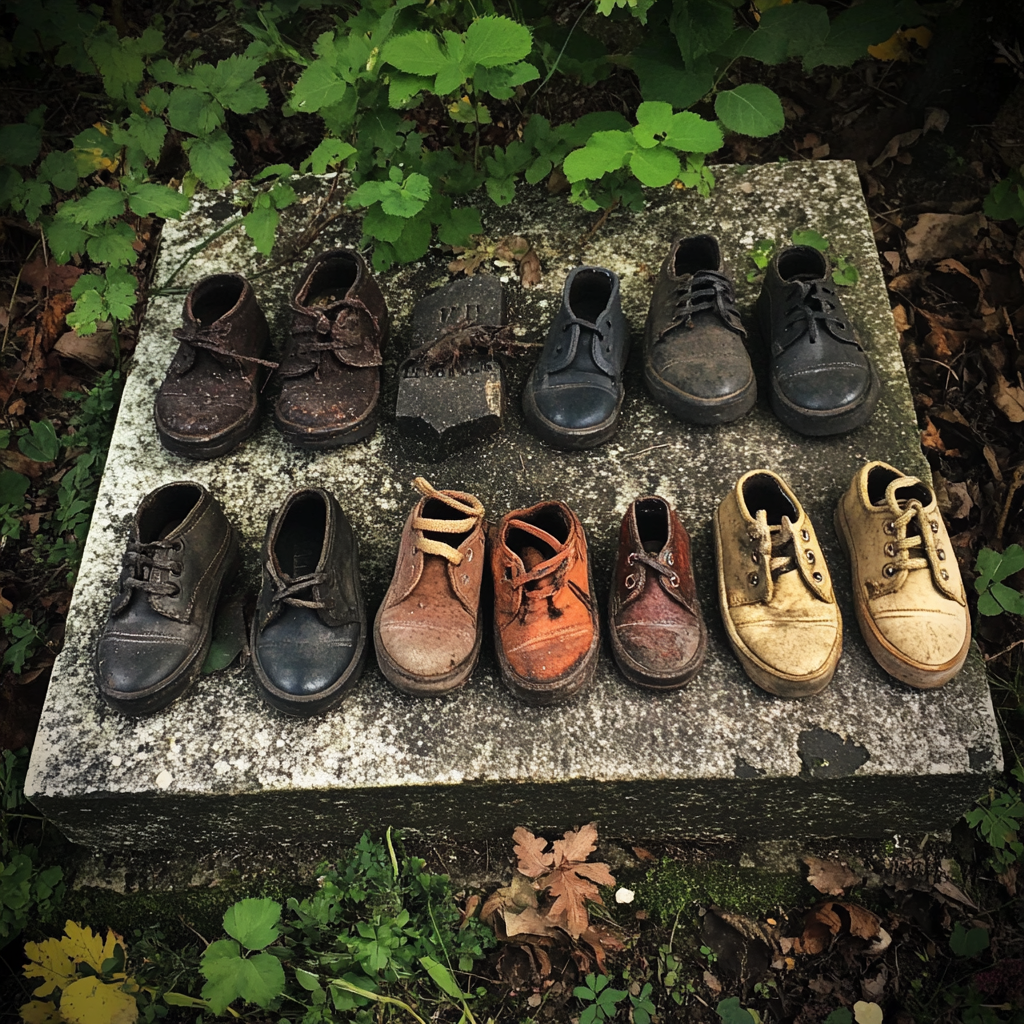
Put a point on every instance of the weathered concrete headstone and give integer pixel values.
(867, 757)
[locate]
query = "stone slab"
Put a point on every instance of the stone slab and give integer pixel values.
(868, 757)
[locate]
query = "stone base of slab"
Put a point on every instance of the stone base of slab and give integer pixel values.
(868, 757)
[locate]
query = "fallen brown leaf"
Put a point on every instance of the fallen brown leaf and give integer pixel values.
(954, 892)
(51, 276)
(533, 861)
(899, 315)
(936, 235)
(1008, 399)
(830, 876)
(95, 350)
(930, 436)
(712, 983)
(829, 919)
(894, 145)
(11, 459)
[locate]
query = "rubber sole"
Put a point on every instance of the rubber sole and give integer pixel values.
(915, 674)
(208, 448)
(767, 677)
(418, 686)
(329, 439)
(706, 412)
(564, 437)
(825, 423)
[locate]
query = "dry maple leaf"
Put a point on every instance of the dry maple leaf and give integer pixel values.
(830, 876)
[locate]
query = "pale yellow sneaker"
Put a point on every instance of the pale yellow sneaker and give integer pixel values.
(774, 588)
(907, 590)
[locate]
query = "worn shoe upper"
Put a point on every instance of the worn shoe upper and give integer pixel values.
(545, 613)
(574, 394)
(695, 361)
(428, 631)
(180, 550)
(774, 588)
(308, 637)
(331, 369)
(822, 381)
(907, 590)
(654, 620)
(209, 399)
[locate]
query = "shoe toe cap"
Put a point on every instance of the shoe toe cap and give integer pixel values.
(129, 666)
(576, 408)
(426, 650)
(300, 665)
(927, 640)
(827, 387)
(659, 650)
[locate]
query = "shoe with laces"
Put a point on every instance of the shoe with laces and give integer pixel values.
(822, 381)
(774, 588)
(574, 394)
(181, 550)
(545, 613)
(907, 591)
(308, 637)
(695, 360)
(428, 631)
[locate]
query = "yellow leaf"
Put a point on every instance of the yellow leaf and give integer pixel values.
(83, 947)
(91, 1001)
(41, 1013)
(50, 962)
(895, 47)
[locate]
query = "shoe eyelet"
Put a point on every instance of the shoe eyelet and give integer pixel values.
(944, 574)
(889, 527)
(941, 554)
(889, 570)
(810, 557)
(630, 581)
(465, 578)
(630, 558)
(753, 579)
(935, 526)
(805, 535)
(755, 557)
(469, 554)
(674, 580)
(890, 549)
(817, 577)
(669, 559)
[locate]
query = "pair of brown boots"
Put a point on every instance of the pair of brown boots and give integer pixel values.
(429, 630)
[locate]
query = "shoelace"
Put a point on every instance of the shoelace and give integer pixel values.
(470, 508)
(775, 549)
(285, 593)
(706, 291)
(814, 304)
(211, 338)
(141, 558)
(553, 574)
(654, 565)
(339, 334)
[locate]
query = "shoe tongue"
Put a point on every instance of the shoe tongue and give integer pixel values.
(905, 490)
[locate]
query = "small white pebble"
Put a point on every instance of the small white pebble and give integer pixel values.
(221, 767)
(624, 896)
(164, 779)
(116, 761)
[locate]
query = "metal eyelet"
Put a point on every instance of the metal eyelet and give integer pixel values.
(178, 545)
(630, 558)
(630, 581)
(890, 549)
(935, 526)
(810, 557)
(469, 554)
(889, 570)
(753, 579)
(944, 574)
(805, 535)
(465, 578)
(674, 580)
(817, 577)
(889, 527)
(941, 554)
(669, 559)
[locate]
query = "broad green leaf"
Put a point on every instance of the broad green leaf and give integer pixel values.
(789, 30)
(61, 169)
(318, 86)
(65, 238)
(1005, 201)
(119, 61)
(731, 1012)
(1010, 599)
(96, 206)
(211, 158)
(158, 200)
(371, 192)
(112, 243)
(987, 565)
(659, 66)
(32, 197)
(449, 78)
(861, 26)
(811, 238)
(194, 112)
(501, 82)
(652, 119)
(416, 53)
(442, 977)
(233, 84)
(381, 226)
(604, 152)
(20, 144)
(261, 226)
(494, 39)
(253, 922)
(259, 979)
(501, 190)
(840, 1015)
(40, 444)
(12, 487)
(701, 26)
(654, 167)
(690, 133)
(968, 941)
(409, 199)
(750, 109)
(310, 982)
(329, 153)
(461, 223)
(403, 88)
(414, 240)
(282, 195)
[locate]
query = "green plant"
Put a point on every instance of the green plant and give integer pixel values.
(23, 640)
(731, 1012)
(599, 1000)
(642, 1008)
(968, 941)
(1006, 199)
(998, 819)
(994, 596)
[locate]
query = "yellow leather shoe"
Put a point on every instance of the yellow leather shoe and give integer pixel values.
(907, 590)
(774, 588)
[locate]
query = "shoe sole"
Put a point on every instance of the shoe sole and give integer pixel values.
(639, 677)
(920, 677)
(158, 697)
(564, 688)
(764, 675)
(208, 448)
(566, 437)
(331, 439)
(420, 686)
(826, 422)
(706, 412)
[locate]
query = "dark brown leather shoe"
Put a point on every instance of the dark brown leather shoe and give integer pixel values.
(331, 368)
(654, 619)
(208, 402)
(428, 631)
(695, 361)
(308, 638)
(180, 551)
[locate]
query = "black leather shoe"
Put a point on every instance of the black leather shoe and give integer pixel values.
(308, 637)
(180, 551)
(695, 361)
(822, 381)
(574, 394)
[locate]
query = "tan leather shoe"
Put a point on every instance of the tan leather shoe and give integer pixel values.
(907, 590)
(774, 588)
(428, 630)
(545, 615)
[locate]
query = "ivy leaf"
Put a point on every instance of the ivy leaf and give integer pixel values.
(144, 132)
(416, 53)
(690, 133)
(96, 206)
(750, 109)
(158, 200)
(329, 153)
(654, 167)
(652, 118)
(258, 979)
(113, 244)
(604, 152)
(20, 144)
(253, 922)
(261, 226)
(61, 169)
(460, 225)
(65, 238)
(13, 487)
(211, 158)
(318, 86)
(495, 39)
(40, 444)
(414, 240)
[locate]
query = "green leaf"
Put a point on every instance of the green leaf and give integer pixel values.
(750, 109)
(501, 82)
(119, 292)
(654, 167)
(194, 112)
(442, 977)
(968, 942)
(403, 88)
(261, 226)
(857, 28)
(253, 922)
(1006, 201)
(845, 273)
(143, 131)
(233, 84)
(259, 979)
(501, 190)
(61, 169)
(13, 487)
(158, 200)
(40, 444)
(408, 200)
(652, 119)
(1010, 599)
(731, 1012)
(701, 26)
(659, 66)
(604, 152)
(414, 240)
(416, 53)
(382, 226)
(988, 605)
(494, 39)
(690, 133)
(995, 566)
(329, 153)
(811, 238)
(461, 223)
(112, 243)
(318, 86)
(789, 30)
(841, 1015)
(96, 206)
(20, 144)
(211, 158)
(310, 982)
(65, 238)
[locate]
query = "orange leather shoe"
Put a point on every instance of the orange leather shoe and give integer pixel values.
(545, 615)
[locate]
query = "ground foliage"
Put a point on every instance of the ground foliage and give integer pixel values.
(591, 101)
